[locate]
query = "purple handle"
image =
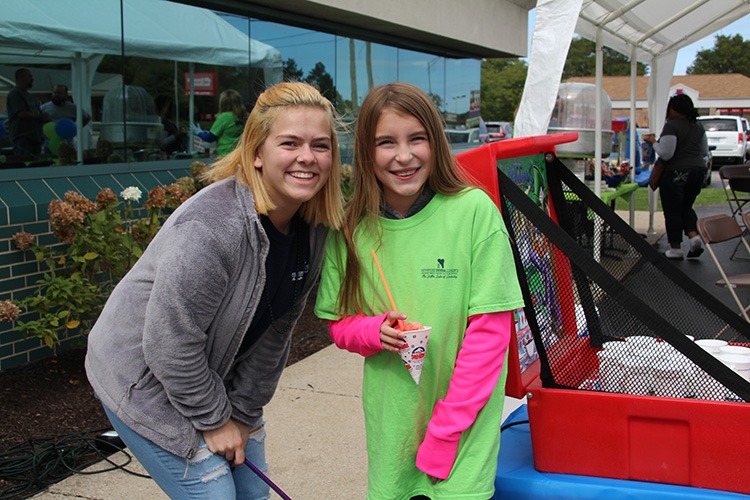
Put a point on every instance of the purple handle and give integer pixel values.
(267, 480)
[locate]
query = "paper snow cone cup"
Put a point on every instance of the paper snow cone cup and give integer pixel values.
(413, 354)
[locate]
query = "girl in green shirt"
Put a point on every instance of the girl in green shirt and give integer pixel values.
(446, 254)
(229, 124)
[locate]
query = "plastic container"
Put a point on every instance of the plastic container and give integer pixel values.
(129, 114)
(663, 440)
(737, 362)
(735, 349)
(711, 345)
(575, 111)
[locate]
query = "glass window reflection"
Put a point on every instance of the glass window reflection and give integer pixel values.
(145, 91)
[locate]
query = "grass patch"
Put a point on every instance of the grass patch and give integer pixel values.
(707, 196)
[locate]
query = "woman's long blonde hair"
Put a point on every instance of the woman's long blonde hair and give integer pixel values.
(364, 208)
(326, 206)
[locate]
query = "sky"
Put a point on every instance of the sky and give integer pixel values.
(686, 55)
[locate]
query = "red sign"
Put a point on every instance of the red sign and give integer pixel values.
(205, 83)
(733, 111)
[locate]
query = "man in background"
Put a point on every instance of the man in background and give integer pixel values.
(61, 106)
(25, 117)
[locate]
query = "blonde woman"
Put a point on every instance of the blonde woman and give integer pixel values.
(191, 343)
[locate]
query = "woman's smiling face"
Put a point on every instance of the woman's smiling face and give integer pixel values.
(296, 156)
(403, 158)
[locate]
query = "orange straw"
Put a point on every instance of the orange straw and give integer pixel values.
(387, 290)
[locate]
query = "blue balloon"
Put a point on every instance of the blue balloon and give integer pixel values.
(65, 128)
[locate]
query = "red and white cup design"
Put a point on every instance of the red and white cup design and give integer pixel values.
(414, 352)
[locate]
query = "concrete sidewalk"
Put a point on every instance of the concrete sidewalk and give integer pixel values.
(642, 225)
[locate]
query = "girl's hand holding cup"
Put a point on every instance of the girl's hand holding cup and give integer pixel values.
(391, 336)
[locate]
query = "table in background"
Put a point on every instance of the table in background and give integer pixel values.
(625, 191)
(517, 479)
(586, 234)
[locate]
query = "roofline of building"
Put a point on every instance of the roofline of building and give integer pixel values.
(501, 32)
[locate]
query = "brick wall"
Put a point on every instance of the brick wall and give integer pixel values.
(24, 197)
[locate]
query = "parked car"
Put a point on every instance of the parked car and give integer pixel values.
(747, 137)
(497, 131)
(463, 139)
(729, 136)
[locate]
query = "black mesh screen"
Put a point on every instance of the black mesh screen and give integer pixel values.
(608, 312)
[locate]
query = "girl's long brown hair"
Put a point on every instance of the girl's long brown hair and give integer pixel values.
(364, 208)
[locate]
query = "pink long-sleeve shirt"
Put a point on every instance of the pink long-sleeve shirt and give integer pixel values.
(478, 367)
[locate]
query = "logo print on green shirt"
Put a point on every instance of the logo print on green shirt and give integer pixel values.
(439, 272)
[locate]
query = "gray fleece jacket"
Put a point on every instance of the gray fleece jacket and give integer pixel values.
(161, 356)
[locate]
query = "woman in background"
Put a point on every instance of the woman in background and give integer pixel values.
(682, 147)
(229, 123)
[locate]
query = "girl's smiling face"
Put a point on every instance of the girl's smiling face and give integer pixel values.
(296, 156)
(403, 158)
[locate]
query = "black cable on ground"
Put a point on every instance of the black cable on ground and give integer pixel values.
(511, 424)
(31, 467)
(309, 337)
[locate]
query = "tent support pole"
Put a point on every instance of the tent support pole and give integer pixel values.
(632, 130)
(598, 137)
(176, 97)
(191, 106)
(598, 122)
(652, 127)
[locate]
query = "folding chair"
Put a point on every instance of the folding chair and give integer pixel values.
(735, 179)
(718, 229)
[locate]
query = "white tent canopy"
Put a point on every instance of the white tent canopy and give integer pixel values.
(652, 31)
(656, 27)
(54, 32)
(648, 31)
(48, 31)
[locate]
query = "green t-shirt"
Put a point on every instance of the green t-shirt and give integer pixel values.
(447, 262)
(228, 128)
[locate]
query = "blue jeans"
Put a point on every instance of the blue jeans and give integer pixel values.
(206, 475)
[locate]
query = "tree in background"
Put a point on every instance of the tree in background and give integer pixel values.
(323, 81)
(292, 72)
(501, 87)
(581, 61)
(437, 100)
(730, 54)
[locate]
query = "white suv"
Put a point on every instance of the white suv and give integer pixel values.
(729, 136)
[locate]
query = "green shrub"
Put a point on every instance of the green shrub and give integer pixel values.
(102, 240)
